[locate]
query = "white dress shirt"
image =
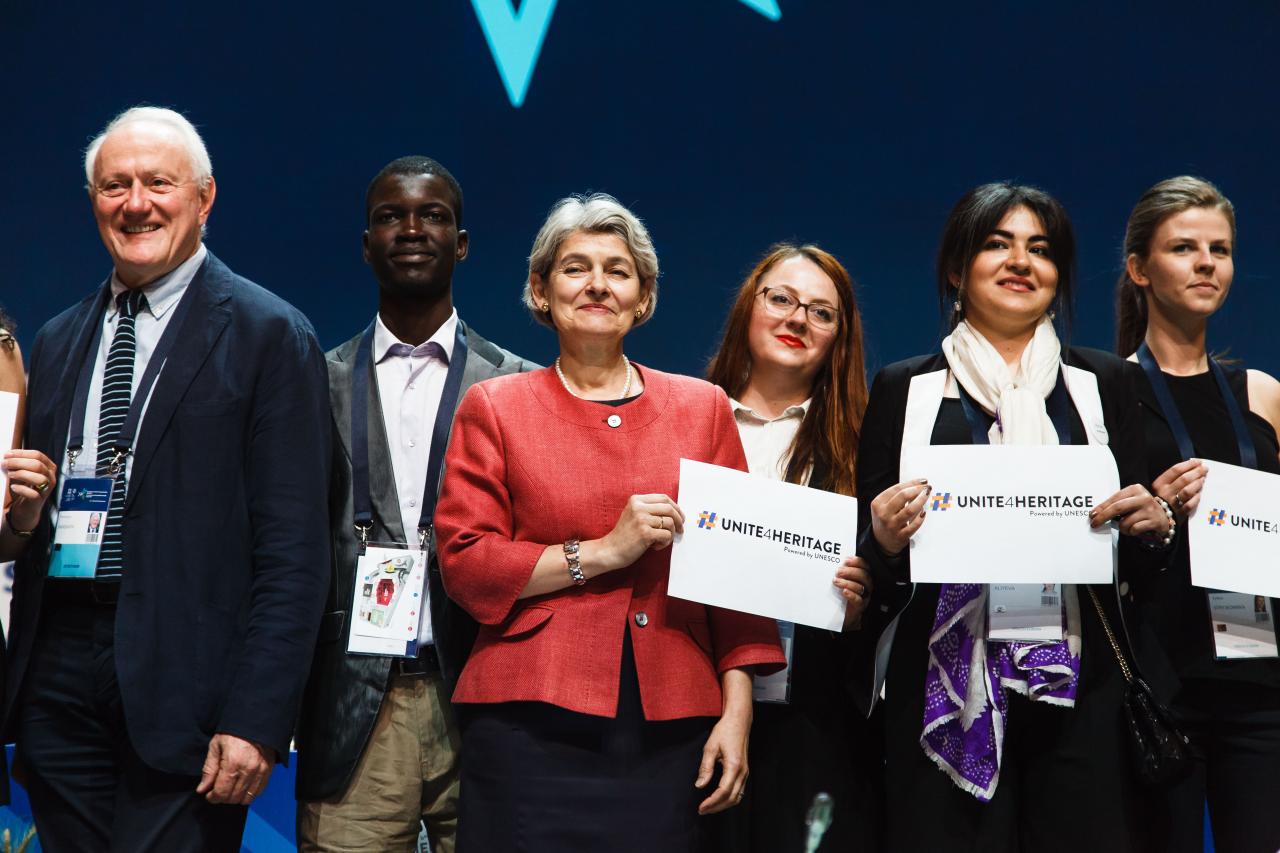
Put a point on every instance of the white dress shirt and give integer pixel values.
(410, 388)
(162, 295)
(767, 441)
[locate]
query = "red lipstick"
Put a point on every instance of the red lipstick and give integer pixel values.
(793, 342)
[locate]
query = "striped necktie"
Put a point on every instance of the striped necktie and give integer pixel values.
(117, 391)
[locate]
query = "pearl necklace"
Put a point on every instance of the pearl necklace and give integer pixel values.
(626, 386)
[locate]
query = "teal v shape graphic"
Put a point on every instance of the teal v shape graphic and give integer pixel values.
(515, 37)
(768, 8)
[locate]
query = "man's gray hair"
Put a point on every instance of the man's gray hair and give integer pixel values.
(201, 166)
(598, 213)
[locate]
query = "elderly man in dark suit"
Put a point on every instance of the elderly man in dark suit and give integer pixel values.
(154, 680)
(377, 743)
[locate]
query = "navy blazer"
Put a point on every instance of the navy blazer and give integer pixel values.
(226, 558)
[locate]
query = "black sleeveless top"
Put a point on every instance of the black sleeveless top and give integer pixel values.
(1177, 613)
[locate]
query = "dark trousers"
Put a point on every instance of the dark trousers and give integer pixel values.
(1066, 781)
(89, 789)
(1235, 727)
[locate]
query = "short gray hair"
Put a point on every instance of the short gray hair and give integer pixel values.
(597, 213)
(201, 166)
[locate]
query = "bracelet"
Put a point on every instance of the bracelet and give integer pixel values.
(1160, 541)
(21, 534)
(575, 564)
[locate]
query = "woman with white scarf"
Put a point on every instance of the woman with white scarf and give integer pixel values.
(1027, 735)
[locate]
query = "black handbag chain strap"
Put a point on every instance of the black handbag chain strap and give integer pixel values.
(1111, 637)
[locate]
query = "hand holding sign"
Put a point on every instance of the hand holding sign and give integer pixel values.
(1135, 512)
(897, 513)
(1181, 486)
(647, 521)
(854, 582)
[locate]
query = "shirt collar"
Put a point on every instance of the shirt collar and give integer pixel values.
(383, 339)
(743, 411)
(164, 292)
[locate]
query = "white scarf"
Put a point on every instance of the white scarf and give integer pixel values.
(1016, 400)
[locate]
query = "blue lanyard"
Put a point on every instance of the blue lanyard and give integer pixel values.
(123, 444)
(1057, 405)
(363, 503)
(1164, 398)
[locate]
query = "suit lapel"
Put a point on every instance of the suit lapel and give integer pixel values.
(340, 365)
(382, 478)
(482, 363)
(201, 329)
(86, 327)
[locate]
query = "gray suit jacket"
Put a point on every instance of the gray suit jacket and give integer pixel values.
(345, 691)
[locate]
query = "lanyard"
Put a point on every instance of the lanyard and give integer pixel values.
(80, 402)
(1164, 398)
(1056, 404)
(363, 504)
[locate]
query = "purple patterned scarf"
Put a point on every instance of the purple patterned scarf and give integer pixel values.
(965, 704)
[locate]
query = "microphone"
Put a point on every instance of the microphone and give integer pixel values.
(817, 819)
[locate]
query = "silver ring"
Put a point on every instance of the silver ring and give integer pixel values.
(1177, 500)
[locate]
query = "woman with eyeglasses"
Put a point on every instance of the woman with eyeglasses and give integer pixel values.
(791, 362)
(994, 745)
(1179, 266)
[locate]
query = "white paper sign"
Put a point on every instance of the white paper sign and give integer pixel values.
(1234, 534)
(1012, 514)
(8, 429)
(761, 546)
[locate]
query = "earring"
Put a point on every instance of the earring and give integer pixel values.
(546, 307)
(1053, 315)
(639, 313)
(955, 308)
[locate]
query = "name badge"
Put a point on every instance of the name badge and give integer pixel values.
(82, 515)
(1243, 625)
(776, 688)
(387, 601)
(1027, 612)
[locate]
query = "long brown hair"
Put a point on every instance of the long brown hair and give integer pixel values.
(828, 435)
(1167, 198)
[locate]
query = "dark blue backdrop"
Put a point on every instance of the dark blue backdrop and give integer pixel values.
(853, 124)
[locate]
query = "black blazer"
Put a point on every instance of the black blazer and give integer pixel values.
(345, 691)
(878, 457)
(225, 563)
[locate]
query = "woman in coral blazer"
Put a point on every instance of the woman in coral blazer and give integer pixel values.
(595, 708)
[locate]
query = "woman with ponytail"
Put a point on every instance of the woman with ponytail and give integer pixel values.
(1178, 267)
(791, 362)
(993, 745)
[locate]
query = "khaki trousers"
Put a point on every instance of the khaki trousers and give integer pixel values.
(408, 773)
